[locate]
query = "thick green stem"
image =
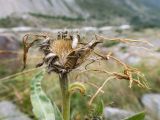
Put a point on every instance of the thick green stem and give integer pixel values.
(64, 83)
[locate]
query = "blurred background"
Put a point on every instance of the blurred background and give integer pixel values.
(134, 19)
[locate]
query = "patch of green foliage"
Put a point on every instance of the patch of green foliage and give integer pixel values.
(10, 21)
(107, 11)
(102, 9)
(144, 22)
(110, 43)
(65, 18)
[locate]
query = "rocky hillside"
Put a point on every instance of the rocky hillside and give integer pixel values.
(74, 8)
(68, 8)
(108, 11)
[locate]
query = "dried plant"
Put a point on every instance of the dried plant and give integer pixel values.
(66, 53)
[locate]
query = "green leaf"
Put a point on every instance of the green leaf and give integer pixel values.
(58, 115)
(42, 106)
(138, 116)
(99, 108)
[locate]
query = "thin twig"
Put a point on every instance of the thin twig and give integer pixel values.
(10, 52)
(100, 88)
(123, 40)
(94, 85)
(14, 75)
(102, 71)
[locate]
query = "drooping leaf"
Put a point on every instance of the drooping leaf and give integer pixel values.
(42, 106)
(138, 116)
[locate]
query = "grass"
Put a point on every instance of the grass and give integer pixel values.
(18, 90)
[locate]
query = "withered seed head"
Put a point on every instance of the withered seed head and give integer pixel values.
(64, 53)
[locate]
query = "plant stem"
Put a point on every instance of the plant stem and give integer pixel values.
(64, 83)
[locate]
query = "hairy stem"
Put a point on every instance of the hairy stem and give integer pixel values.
(64, 83)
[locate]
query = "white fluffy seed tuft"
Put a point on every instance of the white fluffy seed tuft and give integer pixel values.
(74, 42)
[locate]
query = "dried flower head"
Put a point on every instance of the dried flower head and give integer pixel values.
(62, 54)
